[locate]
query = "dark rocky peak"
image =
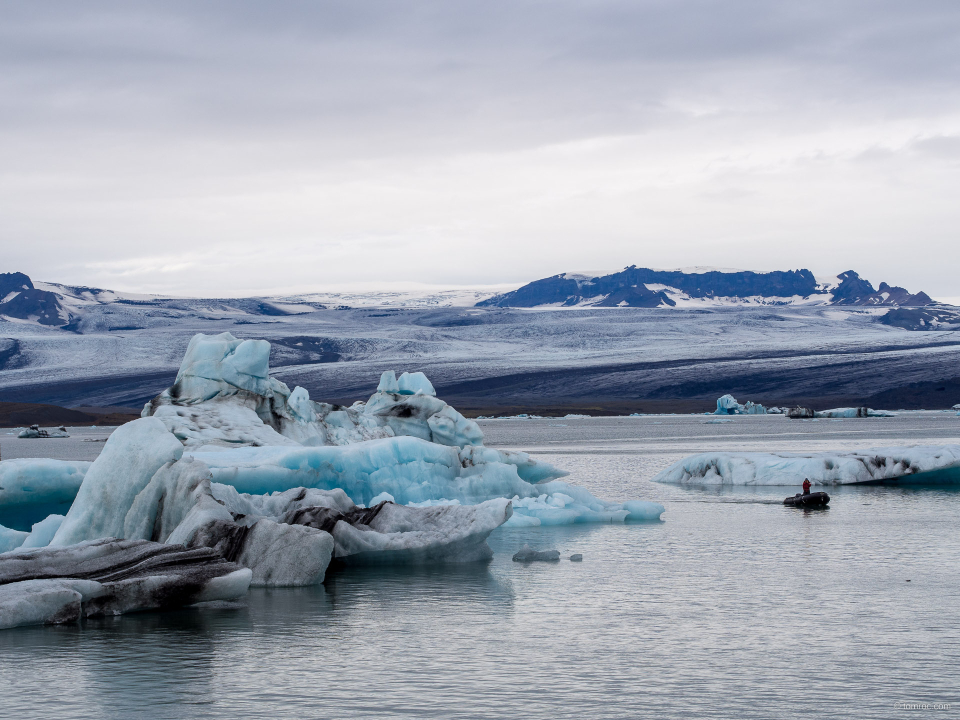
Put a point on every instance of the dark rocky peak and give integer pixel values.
(13, 282)
(893, 295)
(852, 290)
(636, 296)
(556, 289)
(20, 299)
(714, 283)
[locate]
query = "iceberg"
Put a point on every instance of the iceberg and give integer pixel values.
(231, 468)
(110, 577)
(403, 442)
(728, 405)
(33, 488)
(918, 464)
(857, 412)
(224, 397)
(35, 431)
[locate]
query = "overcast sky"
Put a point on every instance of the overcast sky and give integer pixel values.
(230, 148)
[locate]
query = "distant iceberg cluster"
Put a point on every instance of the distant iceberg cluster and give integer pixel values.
(233, 480)
(919, 464)
(728, 405)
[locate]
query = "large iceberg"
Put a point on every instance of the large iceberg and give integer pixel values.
(229, 461)
(918, 464)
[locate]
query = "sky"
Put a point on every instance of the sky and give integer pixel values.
(241, 148)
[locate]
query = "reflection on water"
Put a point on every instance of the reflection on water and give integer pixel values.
(723, 610)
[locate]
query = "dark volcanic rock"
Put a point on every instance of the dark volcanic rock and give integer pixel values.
(937, 318)
(852, 290)
(630, 287)
(44, 306)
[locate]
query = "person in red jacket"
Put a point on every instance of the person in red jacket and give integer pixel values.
(806, 486)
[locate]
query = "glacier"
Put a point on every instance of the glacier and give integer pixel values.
(918, 464)
(230, 461)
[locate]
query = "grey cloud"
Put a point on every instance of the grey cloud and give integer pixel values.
(170, 120)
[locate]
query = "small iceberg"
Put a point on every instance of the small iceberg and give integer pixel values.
(35, 431)
(919, 464)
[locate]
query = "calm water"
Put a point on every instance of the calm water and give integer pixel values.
(733, 607)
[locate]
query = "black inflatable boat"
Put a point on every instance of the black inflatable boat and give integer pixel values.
(810, 500)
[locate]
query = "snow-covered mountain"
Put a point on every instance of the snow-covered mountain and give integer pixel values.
(86, 309)
(645, 287)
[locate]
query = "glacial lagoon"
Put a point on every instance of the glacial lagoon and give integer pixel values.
(734, 606)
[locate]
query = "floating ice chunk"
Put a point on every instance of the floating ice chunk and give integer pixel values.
(33, 488)
(528, 554)
(856, 412)
(110, 577)
(43, 532)
(35, 431)
(388, 382)
(415, 383)
(728, 405)
(643, 510)
(919, 464)
(576, 557)
(129, 459)
(44, 602)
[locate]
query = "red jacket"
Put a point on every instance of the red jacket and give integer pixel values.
(806, 486)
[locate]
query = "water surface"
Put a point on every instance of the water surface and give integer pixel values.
(733, 607)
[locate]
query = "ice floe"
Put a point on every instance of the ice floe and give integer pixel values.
(918, 464)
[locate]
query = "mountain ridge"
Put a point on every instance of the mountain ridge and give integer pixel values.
(646, 287)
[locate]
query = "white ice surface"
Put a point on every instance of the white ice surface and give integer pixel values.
(42, 532)
(130, 458)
